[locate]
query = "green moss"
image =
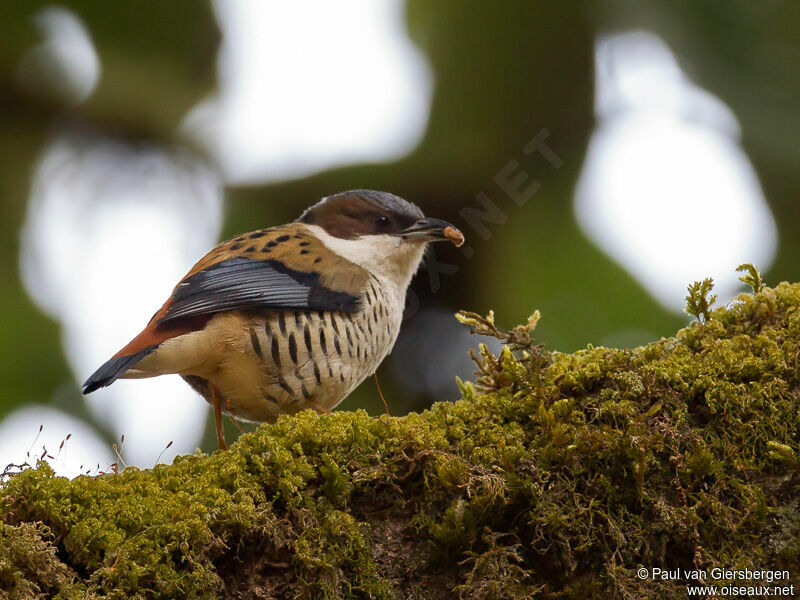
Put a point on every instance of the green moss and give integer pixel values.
(556, 475)
(29, 566)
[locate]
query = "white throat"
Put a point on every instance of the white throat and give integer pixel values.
(385, 256)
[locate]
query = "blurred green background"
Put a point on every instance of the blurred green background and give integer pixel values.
(501, 73)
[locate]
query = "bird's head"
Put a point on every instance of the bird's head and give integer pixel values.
(379, 231)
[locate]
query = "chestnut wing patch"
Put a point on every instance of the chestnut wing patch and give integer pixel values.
(243, 284)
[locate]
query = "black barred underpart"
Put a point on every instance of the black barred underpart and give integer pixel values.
(332, 320)
(322, 342)
(285, 386)
(303, 389)
(292, 348)
(243, 284)
(276, 352)
(282, 323)
(255, 343)
(317, 374)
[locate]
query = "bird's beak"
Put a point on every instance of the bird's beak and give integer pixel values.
(433, 230)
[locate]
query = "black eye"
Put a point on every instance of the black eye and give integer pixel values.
(382, 221)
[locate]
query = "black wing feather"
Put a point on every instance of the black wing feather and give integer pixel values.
(243, 283)
(110, 371)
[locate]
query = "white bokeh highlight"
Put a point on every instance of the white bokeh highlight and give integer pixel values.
(666, 190)
(21, 442)
(110, 228)
(65, 63)
(305, 86)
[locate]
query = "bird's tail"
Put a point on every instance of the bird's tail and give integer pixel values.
(114, 368)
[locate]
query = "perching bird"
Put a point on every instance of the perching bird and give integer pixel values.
(291, 317)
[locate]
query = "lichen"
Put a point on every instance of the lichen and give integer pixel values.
(555, 476)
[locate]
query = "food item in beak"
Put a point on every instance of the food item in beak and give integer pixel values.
(454, 235)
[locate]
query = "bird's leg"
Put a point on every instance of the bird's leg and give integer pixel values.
(235, 424)
(216, 402)
(380, 393)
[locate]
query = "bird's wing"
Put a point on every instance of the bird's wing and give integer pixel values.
(282, 268)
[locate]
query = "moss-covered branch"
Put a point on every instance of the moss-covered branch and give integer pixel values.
(557, 475)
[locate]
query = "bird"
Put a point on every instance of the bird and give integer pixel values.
(291, 317)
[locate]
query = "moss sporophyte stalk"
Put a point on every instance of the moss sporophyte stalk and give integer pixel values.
(555, 476)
